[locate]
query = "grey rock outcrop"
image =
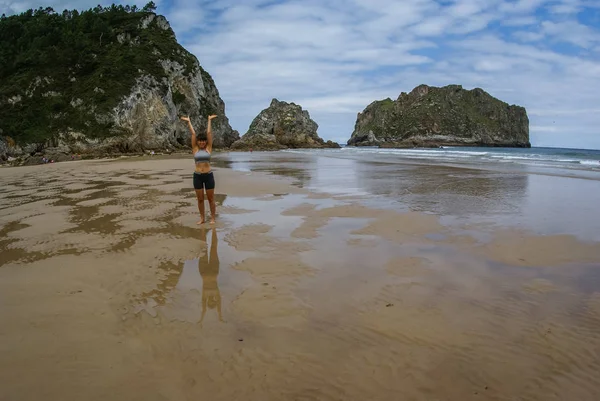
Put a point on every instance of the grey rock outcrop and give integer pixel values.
(281, 126)
(432, 117)
(149, 115)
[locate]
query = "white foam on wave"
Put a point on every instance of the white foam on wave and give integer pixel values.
(568, 160)
(296, 151)
(507, 157)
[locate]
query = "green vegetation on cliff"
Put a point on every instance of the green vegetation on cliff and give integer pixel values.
(60, 71)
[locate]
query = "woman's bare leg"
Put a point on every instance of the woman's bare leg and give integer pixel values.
(210, 194)
(200, 197)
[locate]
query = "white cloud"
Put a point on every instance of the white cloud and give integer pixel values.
(521, 6)
(519, 21)
(472, 25)
(346, 103)
(567, 112)
(571, 32)
(433, 26)
(527, 36)
(566, 7)
(542, 128)
(185, 16)
(465, 8)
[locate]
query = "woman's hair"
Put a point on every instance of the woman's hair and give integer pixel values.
(201, 137)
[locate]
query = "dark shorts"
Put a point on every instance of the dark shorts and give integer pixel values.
(204, 180)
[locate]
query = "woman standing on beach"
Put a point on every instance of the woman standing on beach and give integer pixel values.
(203, 176)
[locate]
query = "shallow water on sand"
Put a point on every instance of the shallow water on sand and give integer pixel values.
(491, 194)
(110, 290)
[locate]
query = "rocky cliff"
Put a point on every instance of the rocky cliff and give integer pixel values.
(431, 117)
(107, 80)
(280, 126)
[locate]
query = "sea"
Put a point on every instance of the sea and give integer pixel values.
(559, 158)
(548, 191)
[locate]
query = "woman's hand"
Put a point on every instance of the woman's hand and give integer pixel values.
(185, 119)
(212, 116)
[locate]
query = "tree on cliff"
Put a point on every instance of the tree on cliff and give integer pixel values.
(150, 7)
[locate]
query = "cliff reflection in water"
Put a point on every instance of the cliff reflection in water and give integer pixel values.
(446, 190)
(283, 164)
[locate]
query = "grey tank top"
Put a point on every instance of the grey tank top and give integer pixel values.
(202, 156)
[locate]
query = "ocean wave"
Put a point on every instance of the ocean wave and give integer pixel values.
(595, 163)
(527, 157)
(568, 160)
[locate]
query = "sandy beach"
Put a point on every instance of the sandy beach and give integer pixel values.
(110, 291)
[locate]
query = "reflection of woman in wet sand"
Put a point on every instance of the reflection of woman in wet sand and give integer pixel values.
(209, 270)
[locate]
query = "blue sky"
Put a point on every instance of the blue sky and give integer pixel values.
(334, 57)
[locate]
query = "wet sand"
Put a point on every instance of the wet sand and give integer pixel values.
(109, 290)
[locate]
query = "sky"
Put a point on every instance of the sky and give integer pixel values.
(334, 57)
